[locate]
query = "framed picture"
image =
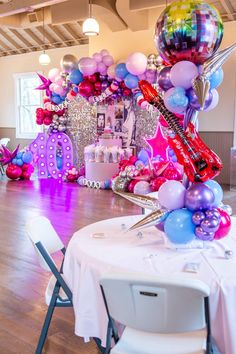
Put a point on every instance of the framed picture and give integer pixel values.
(100, 122)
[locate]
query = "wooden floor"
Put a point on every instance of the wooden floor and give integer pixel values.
(22, 282)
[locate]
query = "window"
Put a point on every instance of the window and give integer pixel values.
(27, 100)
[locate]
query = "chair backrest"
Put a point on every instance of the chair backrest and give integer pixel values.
(4, 141)
(40, 230)
(155, 304)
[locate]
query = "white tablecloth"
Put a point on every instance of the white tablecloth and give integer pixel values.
(88, 256)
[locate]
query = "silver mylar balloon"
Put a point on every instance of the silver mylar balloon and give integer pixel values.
(227, 208)
(61, 128)
(119, 184)
(62, 119)
(151, 67)
(151, 58)
(69, 63)
(158, 60)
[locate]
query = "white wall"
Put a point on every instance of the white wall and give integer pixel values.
(222, 117)
(26, 63)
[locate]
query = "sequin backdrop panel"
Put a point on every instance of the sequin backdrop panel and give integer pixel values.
(82, 127)
(146, 124)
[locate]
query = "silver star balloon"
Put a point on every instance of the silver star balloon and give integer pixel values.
(156, 217)
(144, 201)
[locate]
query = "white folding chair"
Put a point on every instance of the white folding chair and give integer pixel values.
(46, 242)
(162, 315)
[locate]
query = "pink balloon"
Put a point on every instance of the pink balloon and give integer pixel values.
(107, 60)
(104, 52)
(57, 89)
(225, 225)
(53, 73)
(58, 80)
(136, 63)
(142, 76)
(182, 74)
(142, 187)
(51, 87)
(87, 66)
(69, 96)
(214, 102)
(111, 71)
(101, 67)
(97, 57)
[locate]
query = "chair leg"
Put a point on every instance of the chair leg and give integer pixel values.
(46, 324)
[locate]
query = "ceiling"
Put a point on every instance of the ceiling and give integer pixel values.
(22, 30)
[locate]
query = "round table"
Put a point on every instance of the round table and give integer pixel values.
(109, 246)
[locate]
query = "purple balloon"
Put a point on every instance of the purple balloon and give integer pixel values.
(212, 213)
(198, 217)
(160, 226)
(214, 102)
(87, 66)
(193, 100)
(105, 84)
(199, 197)
(210, 225)
(164, 78)
(203, 235)
(107, 60)
(97, 57)
(101, 67)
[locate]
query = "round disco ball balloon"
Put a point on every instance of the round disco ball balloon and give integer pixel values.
(188, 30)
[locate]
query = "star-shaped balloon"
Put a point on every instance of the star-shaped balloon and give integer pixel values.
(6, 155)
(158, 144)
(45, 85)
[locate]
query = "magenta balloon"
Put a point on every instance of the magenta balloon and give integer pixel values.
(97, 57)
(214, 102)
(87, 66)
(107, 60)
(182, 74)
(85, 88)
(136, 63)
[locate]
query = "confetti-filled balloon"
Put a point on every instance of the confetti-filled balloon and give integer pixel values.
(188, 30)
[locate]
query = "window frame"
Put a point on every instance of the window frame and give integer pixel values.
(19, 134)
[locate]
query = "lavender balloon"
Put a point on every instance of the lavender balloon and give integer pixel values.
(210, 225)
(203, 235)
(198, 217)
(199, 197)
(193, 100)
(164, 78)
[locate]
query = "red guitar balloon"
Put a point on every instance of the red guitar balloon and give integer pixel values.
(200, 163)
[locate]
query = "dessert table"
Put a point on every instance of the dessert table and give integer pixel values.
(109, 246)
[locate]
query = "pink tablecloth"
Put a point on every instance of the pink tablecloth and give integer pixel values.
(89, 254)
